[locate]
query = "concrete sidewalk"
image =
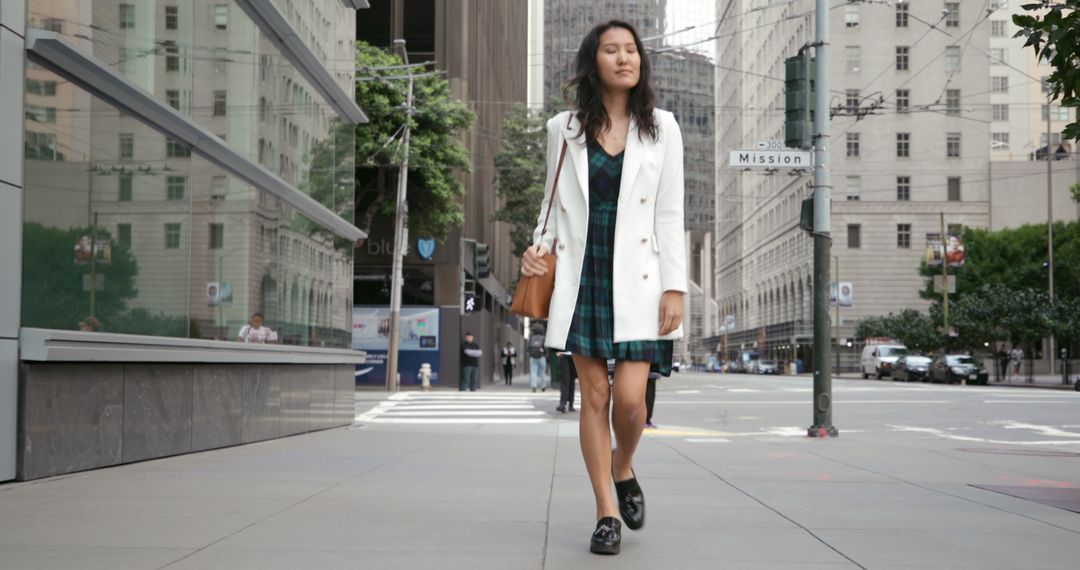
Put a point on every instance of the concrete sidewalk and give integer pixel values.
(504, 497)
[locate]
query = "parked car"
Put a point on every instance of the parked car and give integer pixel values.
(878, 359)
(675, 366)
(951, 368)
(912, 367)
(767, 367)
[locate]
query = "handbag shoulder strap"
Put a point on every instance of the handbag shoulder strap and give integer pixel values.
(555, 183)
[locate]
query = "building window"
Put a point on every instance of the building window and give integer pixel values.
(1045, 84)
(903, 188)
(172, 18)
(998, 28)
(999, 4)
(999, 84)
(903, 236)
(1056, 112)
(172, 97)
(853, 145)
(1000, 112)
(128, 57)
(39, 87)
(175, 187)
(218, 187)
(53, 25)
(902, 53)
(176, 149)
(952, 59)
(997, 56)
(221, 16)
(999, 141)
(854, 188)
(123, 234)
(851, 16)
(172, 236)
(903, 100)
(219, 103)
(852, 58)
(852, 100)
(952, 101)
(41, 146)
(40, 114)
(217, 236)
(952, 14)
(172, 56)
(854, 236)
(127, 183)
(952, 145)
(954, 188)
(1056, 139)
(127, 145)
(903, 145)
(901, 14)
(127, 16)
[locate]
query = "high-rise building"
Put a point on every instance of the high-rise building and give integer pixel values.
(178, 174)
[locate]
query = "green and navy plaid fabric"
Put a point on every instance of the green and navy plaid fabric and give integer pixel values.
(592, 329)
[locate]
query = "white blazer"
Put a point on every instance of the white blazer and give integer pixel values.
(650, 250)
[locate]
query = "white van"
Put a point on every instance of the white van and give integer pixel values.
(878, 359)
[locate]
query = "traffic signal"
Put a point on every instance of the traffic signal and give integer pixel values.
(799, 100)
(482, 260)
(806, 215)
(470, 303)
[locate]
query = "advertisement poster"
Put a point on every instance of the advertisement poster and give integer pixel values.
(953, 251)
(418, 343)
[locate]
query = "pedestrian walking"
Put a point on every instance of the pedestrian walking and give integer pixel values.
(1017, 357)
(537, 359)
(470, 363)
(567, 379)
(624, 161)
(509, 361)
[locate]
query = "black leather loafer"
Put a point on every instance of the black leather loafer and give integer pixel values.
(631, 502)
(607, 537)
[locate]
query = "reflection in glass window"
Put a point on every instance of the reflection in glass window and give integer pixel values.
(219, 103)
(175, 187)
(217, 236)
(221, 16)
(172, 236)
(127, 145)
(127, 16)
(172, 18)
(176, 149)
(42, 146)
(127, 183)
(39, 87)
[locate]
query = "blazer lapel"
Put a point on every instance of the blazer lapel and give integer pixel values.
(579, 155)
(631, 162)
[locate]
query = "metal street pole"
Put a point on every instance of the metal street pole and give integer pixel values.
(392, 384)
(836, 325)
(1050, 227)
(822, 232)
(945, 272)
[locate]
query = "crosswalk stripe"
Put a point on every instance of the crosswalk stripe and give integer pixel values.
(457, 408)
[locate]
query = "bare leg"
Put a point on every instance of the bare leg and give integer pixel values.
(628, 417)
(595, 431)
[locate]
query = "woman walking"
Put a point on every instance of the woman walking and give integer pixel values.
(618, 235)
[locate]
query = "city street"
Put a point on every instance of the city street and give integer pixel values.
(494, 479)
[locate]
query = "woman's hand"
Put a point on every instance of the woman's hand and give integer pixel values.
(532, 262)
(671, 311)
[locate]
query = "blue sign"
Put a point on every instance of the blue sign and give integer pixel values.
(426, 248)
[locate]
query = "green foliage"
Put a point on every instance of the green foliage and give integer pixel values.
(50, 272)
(916, 330)
(142, 321)
(520, 173)
(436, 153)
(1075, 190)
(1052, 29)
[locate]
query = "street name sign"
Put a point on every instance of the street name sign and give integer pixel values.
(770, 158)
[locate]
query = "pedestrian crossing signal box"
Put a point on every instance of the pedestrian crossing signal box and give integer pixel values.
(469, 303)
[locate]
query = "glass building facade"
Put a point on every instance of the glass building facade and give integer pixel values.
(130, 229)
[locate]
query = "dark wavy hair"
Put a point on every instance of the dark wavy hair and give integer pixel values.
(586, 89)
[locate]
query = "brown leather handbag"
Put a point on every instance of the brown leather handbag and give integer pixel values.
(532, 298)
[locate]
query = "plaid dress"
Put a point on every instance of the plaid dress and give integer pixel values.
(592, 328)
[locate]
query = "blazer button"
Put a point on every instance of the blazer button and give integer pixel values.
(645, 276)
(563, 208)
(562, 246)
(644, 240)
(643, 200)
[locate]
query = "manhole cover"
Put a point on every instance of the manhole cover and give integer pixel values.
(1024, 452)
(1067, 499)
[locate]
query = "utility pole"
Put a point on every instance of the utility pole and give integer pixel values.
(822, 232)
(1050, 227)
(836, 325)
(392, 384)
(945, 272)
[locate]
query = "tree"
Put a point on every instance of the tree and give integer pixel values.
(1052, 29)
(520, 173)
(1075, 190)
(916, 330)
(436, 152)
